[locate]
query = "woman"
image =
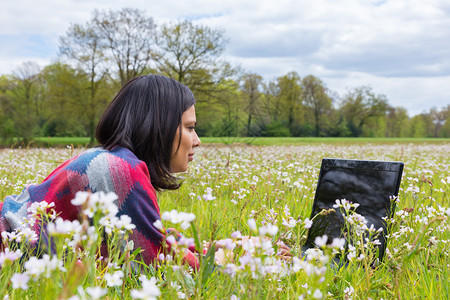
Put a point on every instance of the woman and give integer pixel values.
(146, 134)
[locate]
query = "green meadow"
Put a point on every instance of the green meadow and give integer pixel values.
(263, 188)
(260, 141)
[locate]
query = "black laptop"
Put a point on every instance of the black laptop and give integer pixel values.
(371, 184)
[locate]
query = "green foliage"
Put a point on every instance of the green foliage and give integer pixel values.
(276, 129)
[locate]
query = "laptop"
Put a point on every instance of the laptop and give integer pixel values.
(371, 184)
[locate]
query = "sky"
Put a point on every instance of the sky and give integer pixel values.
(399, 48)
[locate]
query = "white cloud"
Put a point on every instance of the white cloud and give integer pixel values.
(399, 47)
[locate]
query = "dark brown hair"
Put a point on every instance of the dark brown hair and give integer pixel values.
(144, 117)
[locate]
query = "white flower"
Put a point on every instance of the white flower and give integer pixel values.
(124, 223)
(230, 269)
(114, 279)
(321, 241)
(268, 229)
(80, 198)
(8, 255)
(290, 222)
(236, 235)
(96, 292)
(226, 243)
(35, 267)
(176, 217)
(106, 203)
(338, 243)
(208, 195)
(39, 207)
(171, 240)
(307, 223)
(61, 226)
(149, 289)
(186, 242)
(20, 280)
(252, 224)
(317, 294)
(349, 291)
(347, 205)
(158, 225)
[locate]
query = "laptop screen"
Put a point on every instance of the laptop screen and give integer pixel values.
(369, 183)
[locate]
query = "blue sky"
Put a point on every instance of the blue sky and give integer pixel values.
(400, 48)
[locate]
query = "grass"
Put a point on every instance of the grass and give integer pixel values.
(259, 141)
(270, 184)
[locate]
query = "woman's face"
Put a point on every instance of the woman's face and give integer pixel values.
(189, 140)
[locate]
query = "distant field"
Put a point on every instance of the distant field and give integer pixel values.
(266, 141)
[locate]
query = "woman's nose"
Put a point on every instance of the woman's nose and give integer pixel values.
(197, 141)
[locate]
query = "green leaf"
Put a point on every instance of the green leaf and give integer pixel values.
(196, 238)
(208, 266)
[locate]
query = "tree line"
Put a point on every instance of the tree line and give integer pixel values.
(95, 59)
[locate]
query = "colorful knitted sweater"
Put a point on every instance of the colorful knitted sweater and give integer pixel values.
(97, 169)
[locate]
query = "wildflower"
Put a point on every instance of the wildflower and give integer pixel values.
(39, 207)
(208, 195)
(176, 217)
(8, 255)
(349, 292)
(20, 281)
(268, 229)
(321, 241)
(338, 243)
(114, 279)
(289, 223)
(347, 205)
(149, 289)
(230, 269)
(96, 292)
(171, 240)
(61, 226)
(80, 198)
(307, 223)
(35, 267)
(252, 224)
(186, 242)
(227, 243)
(158, 225)
(236, 235)
(124, 223)
(317, 294)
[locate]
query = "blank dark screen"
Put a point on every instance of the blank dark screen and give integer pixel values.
(368, 183)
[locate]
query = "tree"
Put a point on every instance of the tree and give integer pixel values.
(130, 38)
(290, 99)
(84, 46)
(397, 122)
(191, 53)
(6, 109)
(438, 118)
(315, 97)
(250, 87)
(64, 91)
(359, 106)
(25, 98)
